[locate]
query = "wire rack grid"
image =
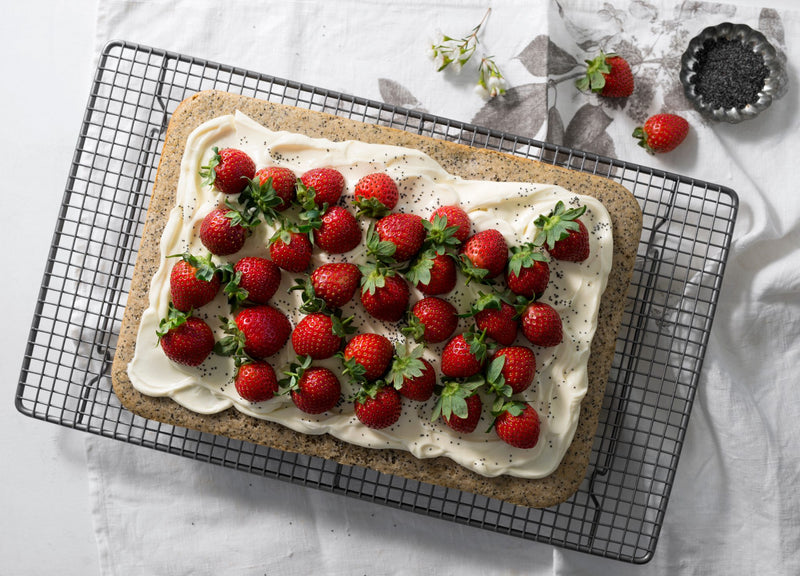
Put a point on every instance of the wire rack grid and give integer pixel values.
(619, 509)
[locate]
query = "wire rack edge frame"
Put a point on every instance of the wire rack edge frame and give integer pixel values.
(547, 153)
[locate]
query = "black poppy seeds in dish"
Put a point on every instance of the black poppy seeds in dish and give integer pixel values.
(729, 74)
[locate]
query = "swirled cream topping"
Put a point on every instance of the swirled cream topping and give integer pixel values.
(575, 290)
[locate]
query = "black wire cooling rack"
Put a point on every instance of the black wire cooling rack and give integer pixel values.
(619, 509)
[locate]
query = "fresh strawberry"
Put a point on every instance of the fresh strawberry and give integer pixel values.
(518, 367)
(459, 405)
(403, 230)
(412, 375)
(255, 280)
(256, 381)
(384, 295)
(220, 233)
(339, 231)
(193, 282)
(229, 170)
(500, 324)
(378, 406)
(375, 195)
(291, 251)
(541, 324)
(454, 216)
(661, 133)
(336, 282)
(464, 355)
(432, 320)
(257, 332)
(283, 183)
(484, 255)
(607, 75)
(185, 339)
(528, 271)
(367, 356)
(563, 234)
(433, 274)
(324, 185)
(319, 335)
(313, 390)
(517, 425)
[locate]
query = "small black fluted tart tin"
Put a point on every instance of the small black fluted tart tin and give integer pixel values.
(731, 73)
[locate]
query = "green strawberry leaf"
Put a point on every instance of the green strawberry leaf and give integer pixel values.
(208, 172)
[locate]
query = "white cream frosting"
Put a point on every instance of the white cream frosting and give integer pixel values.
(575, 290)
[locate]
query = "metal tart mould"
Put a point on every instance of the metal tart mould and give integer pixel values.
(775, 82)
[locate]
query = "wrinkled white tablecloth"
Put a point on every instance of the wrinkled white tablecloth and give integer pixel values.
(734, 507)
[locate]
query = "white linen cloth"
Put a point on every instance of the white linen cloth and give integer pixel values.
(734, 506)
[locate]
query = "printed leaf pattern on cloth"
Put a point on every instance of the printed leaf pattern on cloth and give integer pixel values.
(649, 36)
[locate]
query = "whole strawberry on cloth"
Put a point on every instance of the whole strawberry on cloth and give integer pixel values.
(608, 75)
(661, 133)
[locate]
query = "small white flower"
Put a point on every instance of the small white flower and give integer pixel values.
(481, 91)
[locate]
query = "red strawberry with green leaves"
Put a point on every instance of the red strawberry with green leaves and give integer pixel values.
(339, 231)
(255, 280)
(412, 375)
(229, 170)
(495, 317)
(256, 381)
(291, 250)
(541, 324)
(528, 272)
(459, 405)
(563, 234)
(336, 282)
(464, 355)
(661, 133)
(323, 185)
(258, 332)
(378, 405)
(313, 389)
(517, 424)
(193, 282)
(185, 339)
(384, 294)
(431, 320)
(375, 195)
(222, 232)
(484, 255)
(367, 356)
(403, 230)
(283, 182)
(608, 75)
(433, 274)
(517, 367)
(453, 216)
(319, 335)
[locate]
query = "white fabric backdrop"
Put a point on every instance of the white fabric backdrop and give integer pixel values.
(734, 505)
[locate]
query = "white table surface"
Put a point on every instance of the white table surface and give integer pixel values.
(46, 525)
